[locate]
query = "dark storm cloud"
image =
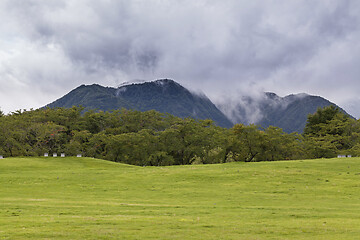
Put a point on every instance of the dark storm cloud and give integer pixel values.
(221, 47)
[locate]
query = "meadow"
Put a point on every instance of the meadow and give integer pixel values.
(85, 198)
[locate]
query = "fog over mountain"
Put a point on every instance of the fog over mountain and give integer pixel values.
(268, 109)
(164, 95)
(222, 48)
(167, 96)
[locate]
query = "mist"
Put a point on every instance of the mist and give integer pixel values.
(47, 48)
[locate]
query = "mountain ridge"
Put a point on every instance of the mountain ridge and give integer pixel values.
(289, 112)
(164, 95)
(167, 96)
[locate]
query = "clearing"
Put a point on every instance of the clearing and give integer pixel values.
(84, 198)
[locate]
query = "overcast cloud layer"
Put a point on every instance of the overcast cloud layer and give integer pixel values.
(223, 48)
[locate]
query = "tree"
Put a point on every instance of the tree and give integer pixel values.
(279, 145)
(315, 122)
(78, 143)
(329, 131)
(97, 146)
(250, 141)
(160, 158)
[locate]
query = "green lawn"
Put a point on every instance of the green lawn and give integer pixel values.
(84, 198)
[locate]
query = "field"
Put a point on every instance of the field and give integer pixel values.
(84, 198)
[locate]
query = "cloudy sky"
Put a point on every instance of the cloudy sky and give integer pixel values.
(223, 48)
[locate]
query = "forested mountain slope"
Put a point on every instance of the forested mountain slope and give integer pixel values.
(289, 113)
(165, 96)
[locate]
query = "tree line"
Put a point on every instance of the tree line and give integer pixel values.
(155, 139)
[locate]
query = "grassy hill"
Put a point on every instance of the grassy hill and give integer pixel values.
(83, 198)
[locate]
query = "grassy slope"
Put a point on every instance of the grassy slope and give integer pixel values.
(73, 198)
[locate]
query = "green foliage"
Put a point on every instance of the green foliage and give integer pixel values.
(329, 132)
(251, 141)
(160, 159)
(154, 139)
(317, 121)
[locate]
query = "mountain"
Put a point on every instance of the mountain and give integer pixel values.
(164, 95)
(289, 112)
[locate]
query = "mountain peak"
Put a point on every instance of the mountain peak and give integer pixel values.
(163, 95)
(165, 81)
(167, 96)
(141, 82)
(271, 95)
(289, 112)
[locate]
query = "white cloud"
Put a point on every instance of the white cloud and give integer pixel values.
(50, 47)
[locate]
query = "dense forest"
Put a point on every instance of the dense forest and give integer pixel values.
(154, 139)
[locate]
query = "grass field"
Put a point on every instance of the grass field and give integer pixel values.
(83, 198)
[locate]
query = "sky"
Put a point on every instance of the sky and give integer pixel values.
(226, 48)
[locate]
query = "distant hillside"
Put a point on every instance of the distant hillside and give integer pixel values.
(165, 96)
(289, 113)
